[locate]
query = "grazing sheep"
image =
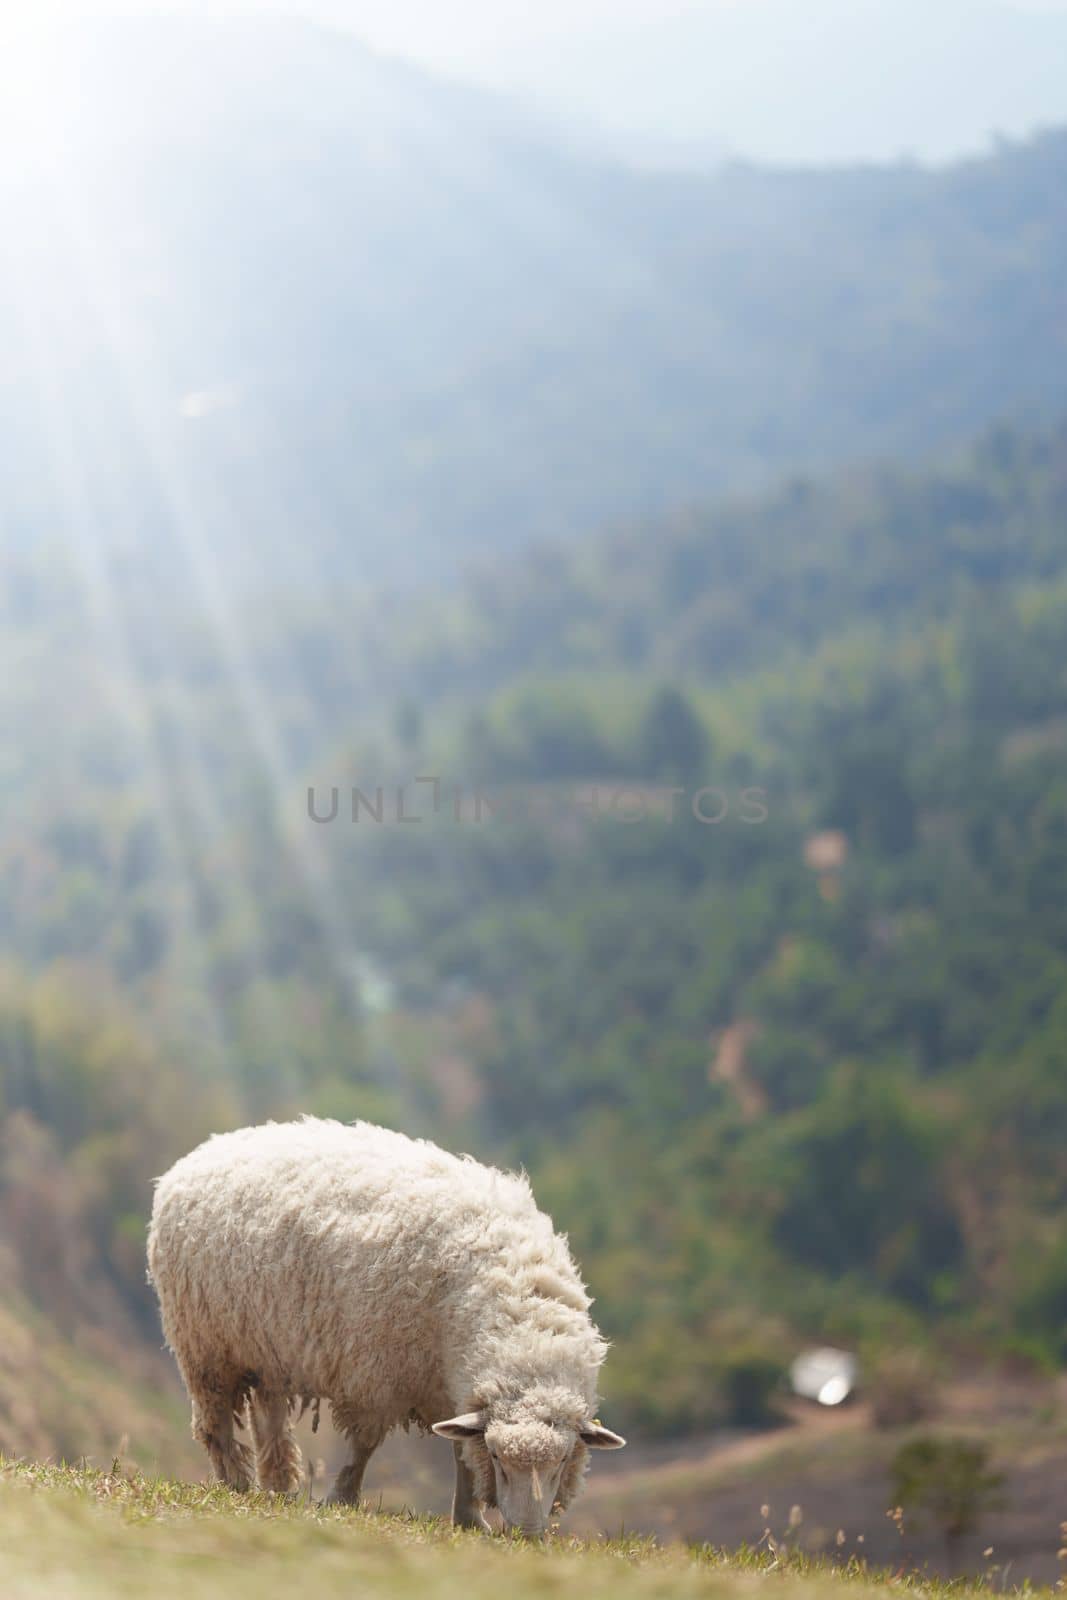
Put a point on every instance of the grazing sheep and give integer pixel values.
(311, 1260)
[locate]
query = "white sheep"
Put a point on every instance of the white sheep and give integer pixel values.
(313, 1260)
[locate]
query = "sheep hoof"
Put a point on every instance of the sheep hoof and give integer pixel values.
(471, 1519)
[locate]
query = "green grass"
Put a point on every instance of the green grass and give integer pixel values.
(70, 1534)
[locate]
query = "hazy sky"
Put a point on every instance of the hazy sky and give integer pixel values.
(458, 33)
(779, 79)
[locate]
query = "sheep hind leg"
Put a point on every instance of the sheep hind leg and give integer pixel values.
(348, 1485)
(277, 1452)
(214, 1408)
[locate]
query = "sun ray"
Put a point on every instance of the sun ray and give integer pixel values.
(81, 540)
(189, 514)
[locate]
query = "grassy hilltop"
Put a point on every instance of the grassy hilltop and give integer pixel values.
(78, 1535)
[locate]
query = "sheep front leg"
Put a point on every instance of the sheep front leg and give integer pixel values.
(466, 1512)
(348, 1484)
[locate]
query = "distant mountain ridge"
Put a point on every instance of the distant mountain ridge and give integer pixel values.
(298, 309)
(827, 81)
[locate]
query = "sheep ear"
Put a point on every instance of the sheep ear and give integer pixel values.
(597, 1437)
(470, 1426)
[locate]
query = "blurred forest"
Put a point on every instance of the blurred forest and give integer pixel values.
(780, 1080)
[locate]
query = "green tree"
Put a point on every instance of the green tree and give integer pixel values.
(948, 1480)
(672, 741)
